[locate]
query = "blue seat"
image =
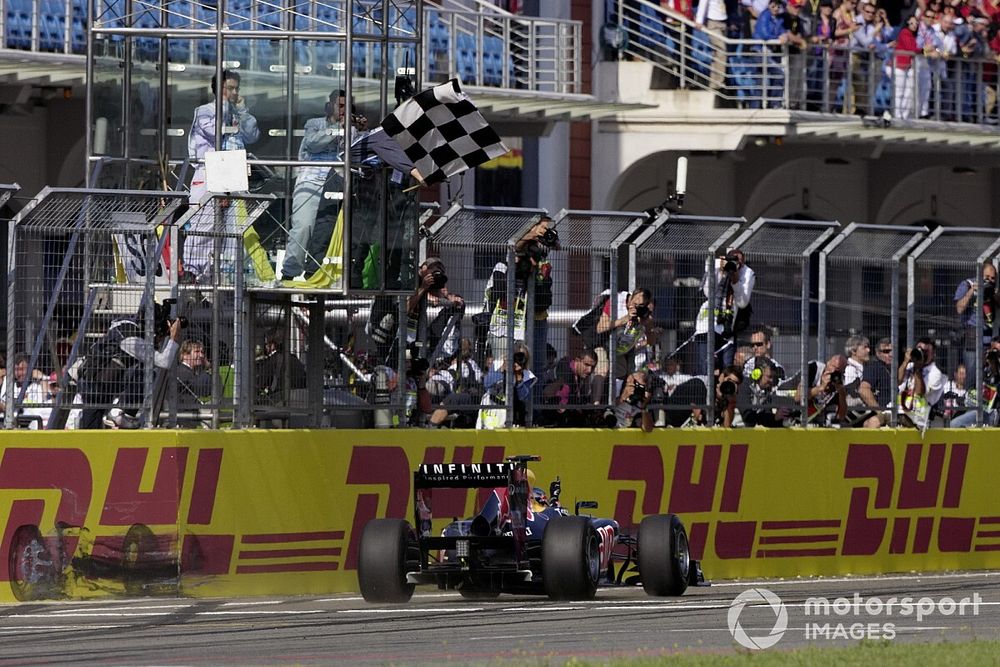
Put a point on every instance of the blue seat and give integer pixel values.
(206, 17)
(17, 24)
(492, 61)
(701, 53)
(465, 57)
(146, 48)
(301, 21)
(181, 11)
(652, 30)
(78, 34)
(51, 25)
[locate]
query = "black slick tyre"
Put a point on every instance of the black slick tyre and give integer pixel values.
(382, 561)
(664, 556)
(571, 559)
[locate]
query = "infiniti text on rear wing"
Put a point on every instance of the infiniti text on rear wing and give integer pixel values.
(462, 475)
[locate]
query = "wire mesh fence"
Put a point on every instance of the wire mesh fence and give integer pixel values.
(860, 309)
(670, 258)
(593, 318)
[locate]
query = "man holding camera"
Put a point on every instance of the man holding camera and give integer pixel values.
(827, 404)
(987, 395)
(112, 369)
(632, 403)
(443, 333)
(734, 282)
(921, 385)
(530, 263)
(760, 395)
(965, 305)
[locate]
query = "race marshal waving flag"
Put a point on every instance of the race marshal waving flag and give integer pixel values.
(443, 133)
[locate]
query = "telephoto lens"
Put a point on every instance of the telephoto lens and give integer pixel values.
(728, 388)
(638, 395)
(641, 310)
(440, 279)
(917, 356)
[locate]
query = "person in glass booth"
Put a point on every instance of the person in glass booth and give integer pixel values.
(239, 130)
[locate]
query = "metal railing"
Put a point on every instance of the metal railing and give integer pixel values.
(827, 78)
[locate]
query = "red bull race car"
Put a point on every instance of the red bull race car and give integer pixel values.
(521, 541)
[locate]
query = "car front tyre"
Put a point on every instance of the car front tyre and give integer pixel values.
(571, 559)
(664, 555)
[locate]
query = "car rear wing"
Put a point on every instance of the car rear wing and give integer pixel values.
(511, 476)
(462, 475)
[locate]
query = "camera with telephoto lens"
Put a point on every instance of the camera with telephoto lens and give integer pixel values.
(162, 319)
(836, 379)
(440, 279)
(638, 395)
(989, 291)
(728, 388)
(732, 263)
(549, 239)
(641, 310)
(917, 356)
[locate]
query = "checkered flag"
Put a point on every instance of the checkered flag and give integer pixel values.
(443, 133)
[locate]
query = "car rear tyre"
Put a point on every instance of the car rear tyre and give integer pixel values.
(571, 558)
(382, 561)
(664, 556)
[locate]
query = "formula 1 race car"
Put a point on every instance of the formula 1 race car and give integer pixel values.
(520, 541)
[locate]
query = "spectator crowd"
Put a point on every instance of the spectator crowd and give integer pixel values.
(912, 59)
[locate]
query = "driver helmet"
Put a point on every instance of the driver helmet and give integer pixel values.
(538, 496)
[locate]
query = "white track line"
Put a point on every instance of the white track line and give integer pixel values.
(819, 582)
(259, 602)
(47, 628)
(57, 612)
(674, 629)
(413, 610)
(262, 612)
(50, 616)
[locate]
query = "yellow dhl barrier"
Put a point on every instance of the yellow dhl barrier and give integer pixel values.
(280, 512)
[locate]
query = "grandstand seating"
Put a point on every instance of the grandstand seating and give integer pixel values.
(476, 58)
(17, 24)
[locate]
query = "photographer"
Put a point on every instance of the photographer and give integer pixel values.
(987, 395)
(827, 404)
(761, 398)
(496, 391)
(458, 384)
(635, 332)
(435, 340)
(632, 402)
(726, 390)
(921, 385)
(113, 364)
(734, 282)
(965, 306)
(530, 263)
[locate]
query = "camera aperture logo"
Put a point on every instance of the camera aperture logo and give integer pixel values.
(757, 597)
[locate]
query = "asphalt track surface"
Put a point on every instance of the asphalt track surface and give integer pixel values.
(441, 627)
